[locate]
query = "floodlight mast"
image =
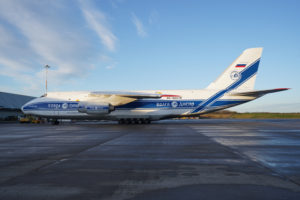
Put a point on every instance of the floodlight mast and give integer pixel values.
(47, 67)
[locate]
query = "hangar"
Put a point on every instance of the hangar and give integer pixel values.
(10, 105)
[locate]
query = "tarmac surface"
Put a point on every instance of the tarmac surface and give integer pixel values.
(195, 159)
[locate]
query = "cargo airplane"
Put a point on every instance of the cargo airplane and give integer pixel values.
(233, 87)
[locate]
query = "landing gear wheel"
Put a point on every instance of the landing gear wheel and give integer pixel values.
(135, 121)
(145, 121)
(121, 121)
(55, 122)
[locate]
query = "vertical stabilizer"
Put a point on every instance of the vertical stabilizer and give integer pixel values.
(241, 73)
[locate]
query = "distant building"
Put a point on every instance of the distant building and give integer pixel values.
(10, 105)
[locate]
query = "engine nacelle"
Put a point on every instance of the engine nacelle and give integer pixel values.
(95, 108)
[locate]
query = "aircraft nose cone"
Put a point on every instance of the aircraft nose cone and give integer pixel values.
(23, 108)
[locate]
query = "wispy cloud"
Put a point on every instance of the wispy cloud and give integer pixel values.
(138, 25)
(35, 33)
(153, 18)
(110, 66)
(97, 21)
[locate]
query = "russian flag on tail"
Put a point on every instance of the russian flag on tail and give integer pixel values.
(240, 65)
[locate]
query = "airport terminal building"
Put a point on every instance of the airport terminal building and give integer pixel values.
(10, 105)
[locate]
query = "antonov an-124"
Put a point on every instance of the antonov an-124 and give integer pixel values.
(233, 87)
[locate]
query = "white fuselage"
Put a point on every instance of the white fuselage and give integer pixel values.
(65, 105)
(233, 87)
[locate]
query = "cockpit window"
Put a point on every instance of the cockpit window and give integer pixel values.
(44, 95)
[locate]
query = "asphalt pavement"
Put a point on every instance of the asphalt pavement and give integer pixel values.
(171, 159)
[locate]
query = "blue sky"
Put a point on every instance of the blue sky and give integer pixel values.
(148, 44)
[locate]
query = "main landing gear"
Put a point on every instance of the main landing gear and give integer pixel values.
(54, 122)
(134, 121)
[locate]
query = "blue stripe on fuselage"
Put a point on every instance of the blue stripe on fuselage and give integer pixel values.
(52, 105)
(139, 104)
(161, 104)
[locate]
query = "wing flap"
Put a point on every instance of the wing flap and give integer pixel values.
(117, 98)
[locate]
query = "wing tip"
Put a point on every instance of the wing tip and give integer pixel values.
(282, 89)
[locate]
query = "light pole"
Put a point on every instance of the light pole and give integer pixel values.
(46, 67)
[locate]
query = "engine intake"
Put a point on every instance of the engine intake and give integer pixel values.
(95, 108)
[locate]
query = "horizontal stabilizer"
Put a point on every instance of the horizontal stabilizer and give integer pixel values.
(258, 93)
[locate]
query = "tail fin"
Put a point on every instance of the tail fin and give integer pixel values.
(241, 74)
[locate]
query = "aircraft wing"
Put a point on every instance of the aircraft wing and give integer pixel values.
(136, 95)
(117, 98)
(258, 93)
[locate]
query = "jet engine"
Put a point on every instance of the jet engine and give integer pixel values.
(95, 108)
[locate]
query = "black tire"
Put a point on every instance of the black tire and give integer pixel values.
(55, 122)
